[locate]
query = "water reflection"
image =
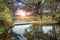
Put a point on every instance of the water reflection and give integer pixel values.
(37, 32)
(46, 29)
(20, 30)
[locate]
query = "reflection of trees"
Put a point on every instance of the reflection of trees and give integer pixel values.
(57, 31)
(35, 33)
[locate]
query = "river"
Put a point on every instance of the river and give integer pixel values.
(33, 31)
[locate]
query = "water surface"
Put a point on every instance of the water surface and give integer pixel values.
(33, 31)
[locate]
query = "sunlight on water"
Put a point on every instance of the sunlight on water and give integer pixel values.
(20, 29)
(46, 29)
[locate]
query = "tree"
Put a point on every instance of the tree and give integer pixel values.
(5, 19)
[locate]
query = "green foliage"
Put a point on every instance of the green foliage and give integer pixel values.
(2, 5)
(49, 3)
(58, 19)
(2, 29)
(5, 16)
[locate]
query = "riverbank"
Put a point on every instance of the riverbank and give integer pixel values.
(37, 22)
(44, 22)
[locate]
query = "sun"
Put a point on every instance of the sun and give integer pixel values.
(22, 13)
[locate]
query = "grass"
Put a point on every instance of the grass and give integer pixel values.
(35, 19)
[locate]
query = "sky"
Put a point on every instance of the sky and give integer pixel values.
(19, 3)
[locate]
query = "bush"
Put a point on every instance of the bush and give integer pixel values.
(5, 20)
(58, 19)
